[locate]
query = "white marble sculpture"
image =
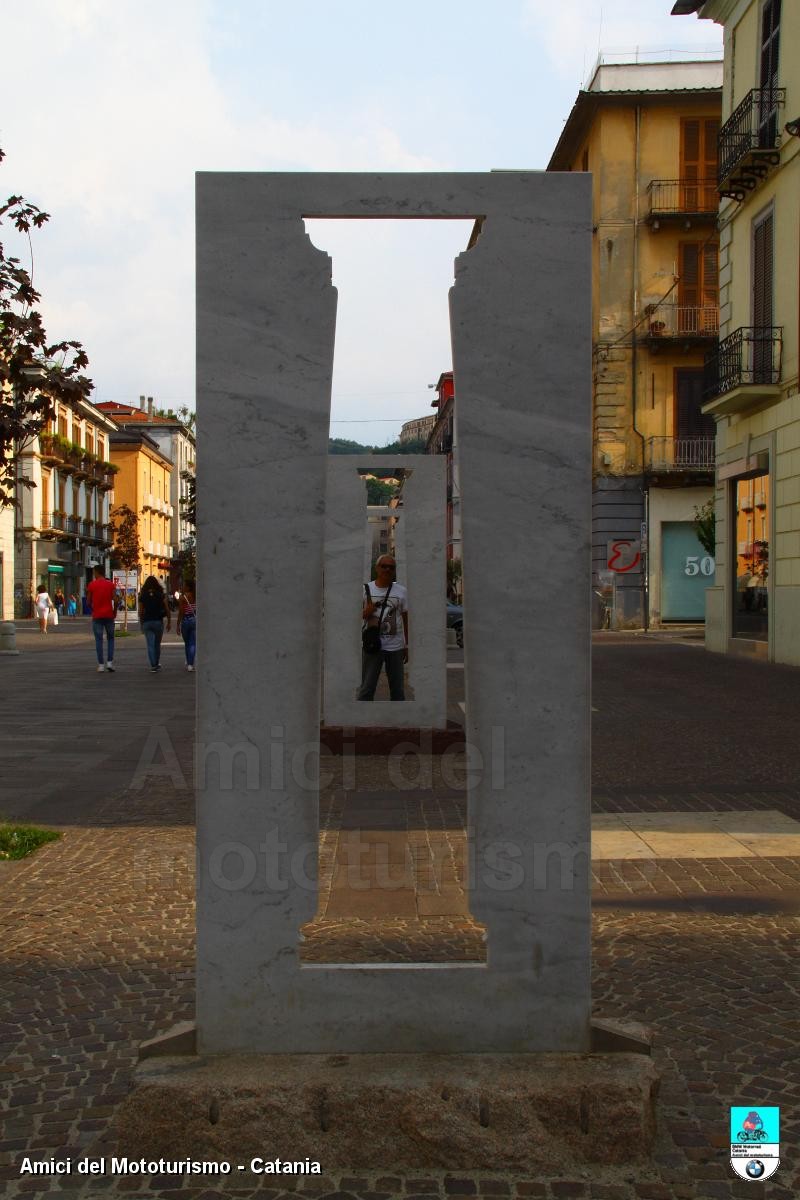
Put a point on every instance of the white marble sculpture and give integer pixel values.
(520, 318)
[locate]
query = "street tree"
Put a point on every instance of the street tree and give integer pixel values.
(34, 372)
(705, 522)
(125, 551)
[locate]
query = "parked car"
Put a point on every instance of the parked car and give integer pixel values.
(455, 620)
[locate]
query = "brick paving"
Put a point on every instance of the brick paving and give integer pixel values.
(96, 938)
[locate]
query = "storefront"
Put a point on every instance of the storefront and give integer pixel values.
(679, 568)
(687, 570)
(751, 515)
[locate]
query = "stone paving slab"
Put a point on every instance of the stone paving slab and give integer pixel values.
(96, 941)
(84, 980)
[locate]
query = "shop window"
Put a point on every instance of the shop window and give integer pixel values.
(751, 558)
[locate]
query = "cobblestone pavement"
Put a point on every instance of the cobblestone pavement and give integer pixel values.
(96, 954)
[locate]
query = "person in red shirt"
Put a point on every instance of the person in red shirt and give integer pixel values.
(103, 601)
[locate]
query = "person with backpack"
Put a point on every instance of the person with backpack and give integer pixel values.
(385, 633)
(153, 608)
(187, 623)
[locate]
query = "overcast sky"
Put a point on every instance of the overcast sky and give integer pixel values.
(108, 107)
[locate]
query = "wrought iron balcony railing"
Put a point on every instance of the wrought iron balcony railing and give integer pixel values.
(682, 198)
(750, 356)
(749, 140)
(680, 454)
(54, 520)
(670, 320)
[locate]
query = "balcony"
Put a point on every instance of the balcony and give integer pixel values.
(688, 323)
(55, 521)
(744, 369)
(682, 455)
(681, 202)
(50, 449)
(749, 141)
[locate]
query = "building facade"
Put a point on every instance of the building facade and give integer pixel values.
(417, 430)
(143, 483)
(63, 522)
(752, 381)
(647, 132)
(6, 564)
(176, 441)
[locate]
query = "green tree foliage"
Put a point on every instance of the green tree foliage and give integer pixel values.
(379, 492)
(125, 551)
(34, 372)
(705, 527)
(343, 446)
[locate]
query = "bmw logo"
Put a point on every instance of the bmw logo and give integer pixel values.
(755, 1168)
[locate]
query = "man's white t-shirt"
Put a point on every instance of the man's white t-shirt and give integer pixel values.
(393, 634)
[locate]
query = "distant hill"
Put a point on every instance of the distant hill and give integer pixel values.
(344, 446)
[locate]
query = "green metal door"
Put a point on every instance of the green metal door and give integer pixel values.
(686, 571)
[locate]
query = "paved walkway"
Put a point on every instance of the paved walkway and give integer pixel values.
(699, 941)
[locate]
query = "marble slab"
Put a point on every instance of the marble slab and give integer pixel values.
(521, 337)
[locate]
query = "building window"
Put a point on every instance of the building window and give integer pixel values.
(698, 165)
(698, 287)
(763, 291)
(690, 421)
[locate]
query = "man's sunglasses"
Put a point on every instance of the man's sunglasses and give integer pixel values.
(386, 567)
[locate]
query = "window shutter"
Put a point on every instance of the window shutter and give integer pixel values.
(762, 272)
(710, 282)
(690, 163)
(690, 420)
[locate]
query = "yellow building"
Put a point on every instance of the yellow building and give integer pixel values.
(648, 132)
(752, 385)
(143, 483)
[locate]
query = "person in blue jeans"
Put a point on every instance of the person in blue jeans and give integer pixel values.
(153, 609)
(187, 623)
(102, 596)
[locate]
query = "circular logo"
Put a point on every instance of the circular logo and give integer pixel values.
(755, 1168)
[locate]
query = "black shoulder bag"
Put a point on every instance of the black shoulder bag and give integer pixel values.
(371, 633)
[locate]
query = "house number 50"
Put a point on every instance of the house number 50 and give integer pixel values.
(699, 566)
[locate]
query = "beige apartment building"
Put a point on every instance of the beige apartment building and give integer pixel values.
(647, 132)
(752, 383)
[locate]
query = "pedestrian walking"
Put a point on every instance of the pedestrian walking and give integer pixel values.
(153, 608)
(102, 598)
(72, 606)
(43, 606)
(385, 607)
(187, 624)
(59, 602)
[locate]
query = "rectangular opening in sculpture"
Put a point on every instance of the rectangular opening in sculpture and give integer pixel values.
(393, 856)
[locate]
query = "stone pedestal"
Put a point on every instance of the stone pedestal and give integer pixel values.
(552, 1112)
